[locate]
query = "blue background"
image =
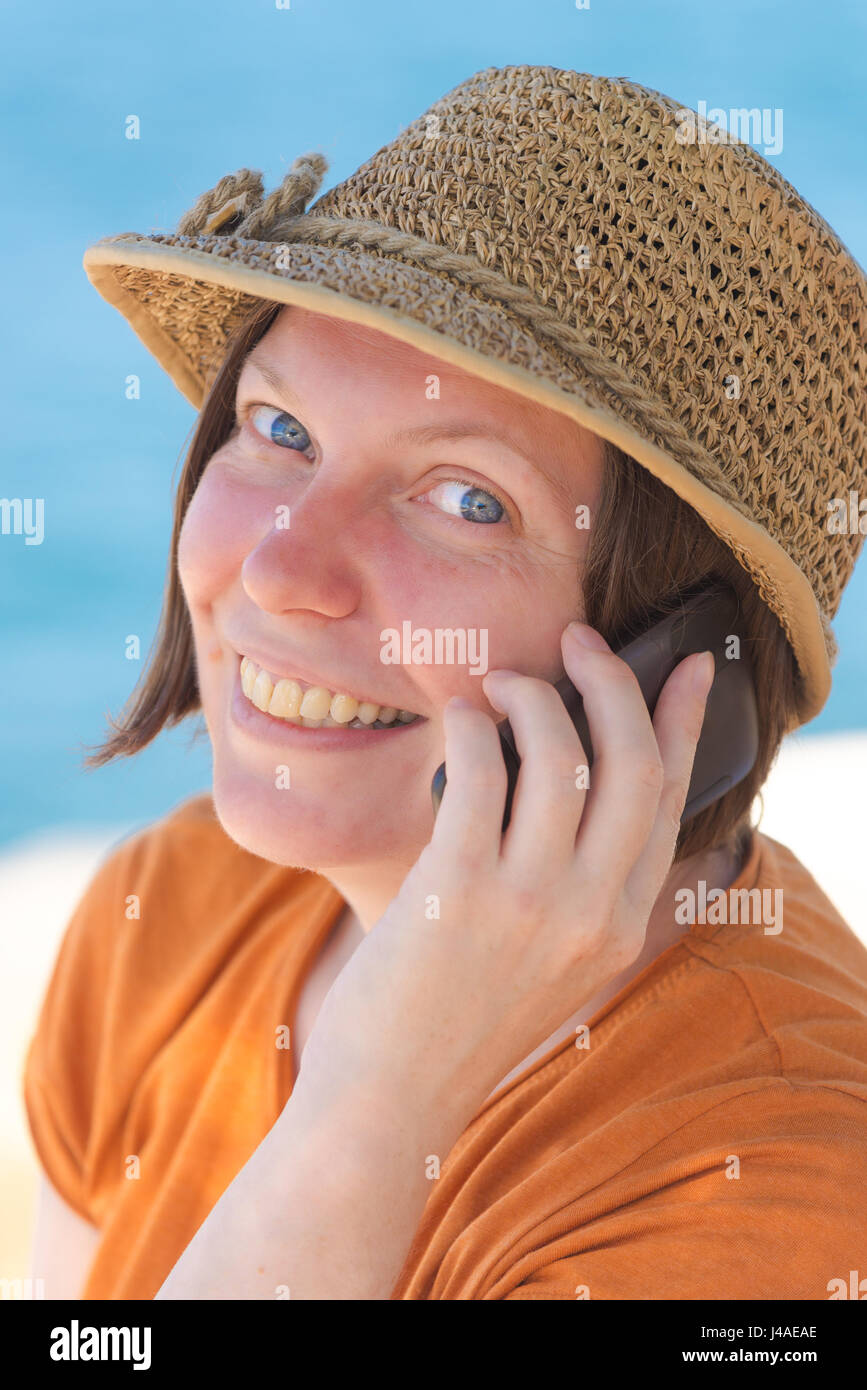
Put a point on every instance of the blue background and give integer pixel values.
(218, 86)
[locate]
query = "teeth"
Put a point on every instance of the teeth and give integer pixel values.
(316, 702)
(343, 708)
(248, 677)
(315, 707)
(286, 699)
(261, 692)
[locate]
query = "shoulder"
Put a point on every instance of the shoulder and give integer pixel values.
(169, 907)
(797, 967)
(733, 1168)
(167, 910)
(183, 867)
(180, 843)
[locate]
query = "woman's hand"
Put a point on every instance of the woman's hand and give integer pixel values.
(489, 946)
(494, 941)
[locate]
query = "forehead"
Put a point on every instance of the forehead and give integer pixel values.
(307, 344)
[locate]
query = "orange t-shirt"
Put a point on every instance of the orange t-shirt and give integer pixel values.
(709, 1141)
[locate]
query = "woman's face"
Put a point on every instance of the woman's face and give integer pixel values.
(315, 529)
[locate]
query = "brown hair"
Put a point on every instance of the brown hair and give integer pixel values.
(646, 548)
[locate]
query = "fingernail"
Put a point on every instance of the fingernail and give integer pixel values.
(588, 637)
(498, 671)
(703, 674)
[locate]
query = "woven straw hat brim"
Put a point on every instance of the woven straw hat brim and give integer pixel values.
(464, 238)
(165, 288)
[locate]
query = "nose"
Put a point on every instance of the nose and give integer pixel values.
(305, 560)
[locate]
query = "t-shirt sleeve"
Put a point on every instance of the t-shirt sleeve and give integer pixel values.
(66, 1055)
(778, 1211)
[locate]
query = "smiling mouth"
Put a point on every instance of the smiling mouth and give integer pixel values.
(314, 706)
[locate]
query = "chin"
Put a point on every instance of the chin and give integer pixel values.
(289, 828)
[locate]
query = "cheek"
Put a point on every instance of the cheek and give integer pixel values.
(515, 608)
(221, 525)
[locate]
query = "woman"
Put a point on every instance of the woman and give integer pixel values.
(304, 1041)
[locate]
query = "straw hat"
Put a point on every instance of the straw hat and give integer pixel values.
(584, 242)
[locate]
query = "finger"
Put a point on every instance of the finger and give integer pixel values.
(627, 774)
(677, 723)
(548, 801)
(470, 817)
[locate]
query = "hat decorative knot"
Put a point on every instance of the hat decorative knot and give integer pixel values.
(236, 204)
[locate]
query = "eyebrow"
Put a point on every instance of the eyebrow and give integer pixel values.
(426, 434)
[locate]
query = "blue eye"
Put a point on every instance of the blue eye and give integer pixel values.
(471, 502)
(284, 429)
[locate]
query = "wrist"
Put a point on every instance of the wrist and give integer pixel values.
(362, 1111)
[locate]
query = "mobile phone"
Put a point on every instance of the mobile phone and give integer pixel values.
(729, 741)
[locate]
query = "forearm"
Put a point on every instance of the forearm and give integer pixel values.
(326, 1207)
